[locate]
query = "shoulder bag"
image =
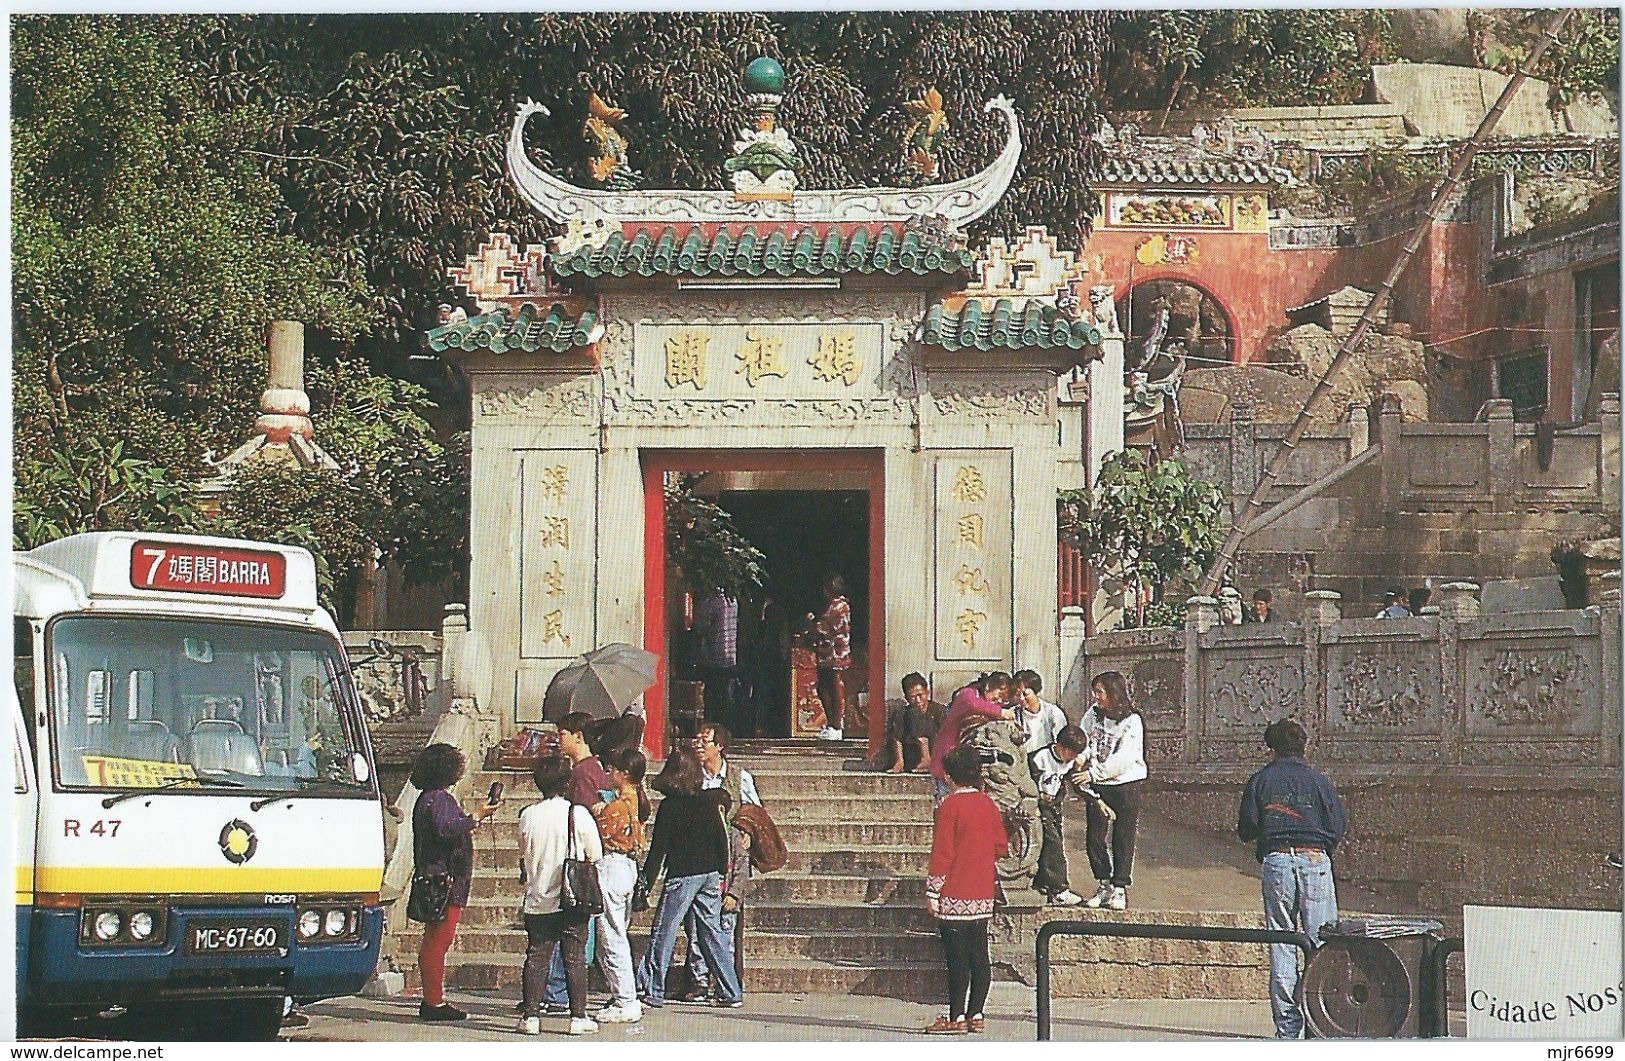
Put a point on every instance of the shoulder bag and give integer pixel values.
(431, 896)
(580, 896)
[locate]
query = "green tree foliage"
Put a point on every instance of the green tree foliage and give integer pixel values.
(705, 546)
(146, 264)
(1144, 525)
(1161, 60)
(1583, 61)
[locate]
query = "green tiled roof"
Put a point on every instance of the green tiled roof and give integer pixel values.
(1004, 327)
(555, 329)
(778, 250)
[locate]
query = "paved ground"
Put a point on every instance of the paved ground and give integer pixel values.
(805, 1018)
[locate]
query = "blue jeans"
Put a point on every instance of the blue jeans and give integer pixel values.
(697, 968)
(556, 994)
(701, 893)
(1299, 896)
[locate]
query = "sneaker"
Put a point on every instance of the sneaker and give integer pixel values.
(529, 1026)
(697, 995)
(1118, 900)
(648, 1003)
(830, 733)
(443, 1012)
(628, 1013)
(1066, 897)
(582, 1025)
(725, 1003)
(556, 1009)
(1101, 897)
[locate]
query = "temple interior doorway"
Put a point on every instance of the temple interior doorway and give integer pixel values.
(808, 520)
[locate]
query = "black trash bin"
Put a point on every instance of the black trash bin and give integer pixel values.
(1369, 979)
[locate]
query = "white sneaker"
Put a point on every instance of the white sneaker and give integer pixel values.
(1101, 897)
(620, 1014)
(830, 733)
(582, 1025)
(1118, 900)
(1066, 897)
(529, 1026)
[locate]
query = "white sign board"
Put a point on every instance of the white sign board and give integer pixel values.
(1543, 974)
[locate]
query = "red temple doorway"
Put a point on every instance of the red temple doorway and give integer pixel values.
(832, 502)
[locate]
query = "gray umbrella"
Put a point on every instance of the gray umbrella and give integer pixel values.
(602, 683)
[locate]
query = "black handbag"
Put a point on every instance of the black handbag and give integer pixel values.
(431, 896)
(640, 895)
(580, 897)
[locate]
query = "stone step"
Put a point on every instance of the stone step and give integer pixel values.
(843, 947)
(770, 916)
(842, 889)
(917, 981)
(880, 808)
(856, 835)
(805, 856)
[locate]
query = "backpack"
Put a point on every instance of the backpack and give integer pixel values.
(767, 850)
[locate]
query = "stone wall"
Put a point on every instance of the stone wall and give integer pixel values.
(1479, 754)
(1377, 501)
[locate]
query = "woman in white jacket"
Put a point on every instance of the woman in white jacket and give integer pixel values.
(545, 841)
(1117, 771)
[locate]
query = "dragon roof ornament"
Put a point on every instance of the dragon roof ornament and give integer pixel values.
(959, 202)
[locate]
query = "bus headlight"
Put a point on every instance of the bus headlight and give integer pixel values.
(310, 924)
(142, 924)
(108, 924)
(336, 922)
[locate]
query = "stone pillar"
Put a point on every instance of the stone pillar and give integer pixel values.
(1608, 420)
(1612, 686)
(1074, 668)
(1503, 439)
(1390, 431)
(1359, 421)
(1243, 457)
(1201, 615)
(1321, 608)
(284, 406)
(453, 643)
(1458, 601)
(1105, 408)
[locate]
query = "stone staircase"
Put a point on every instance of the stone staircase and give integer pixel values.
(847, 914)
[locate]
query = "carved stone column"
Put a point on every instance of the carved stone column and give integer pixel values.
(1359, 421)
(1243, 455)
(1608, 415)
(1073, 669)
(1458, 605)
(453, 643)
(1390, 435)
(1321, 609)
(1503, 442)
(1201, 615)
(1612, 686)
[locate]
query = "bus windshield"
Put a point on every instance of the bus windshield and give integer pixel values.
(140, 702)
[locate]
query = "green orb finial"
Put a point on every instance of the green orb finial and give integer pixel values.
(764, 75)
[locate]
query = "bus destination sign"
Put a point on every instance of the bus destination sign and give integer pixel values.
(187, 568)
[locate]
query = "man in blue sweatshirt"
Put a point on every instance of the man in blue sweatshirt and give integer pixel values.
(1292, 811)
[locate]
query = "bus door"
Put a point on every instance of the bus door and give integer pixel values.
(26, 796)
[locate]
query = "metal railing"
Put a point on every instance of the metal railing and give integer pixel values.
(1439, 985)
(1193, 933)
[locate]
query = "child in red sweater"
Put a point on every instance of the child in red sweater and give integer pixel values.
(969, 838)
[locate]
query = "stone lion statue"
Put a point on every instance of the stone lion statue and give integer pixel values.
(1009, 782)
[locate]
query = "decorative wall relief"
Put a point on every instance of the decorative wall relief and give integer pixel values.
(973, 529)
(1251, 691)
(558, 492)
(575, 400)
(1382, 686)
(991, 397)
(1157, 687)
(1532, 688)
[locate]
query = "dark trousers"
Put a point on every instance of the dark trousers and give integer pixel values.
(720, 683)
(964, 943)
(1051, 877)
(832, 694)
(1114, 861)
(545, 932)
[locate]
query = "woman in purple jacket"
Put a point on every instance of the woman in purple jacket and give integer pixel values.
(442, 842)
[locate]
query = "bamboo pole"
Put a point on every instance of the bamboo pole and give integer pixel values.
(1243, 523)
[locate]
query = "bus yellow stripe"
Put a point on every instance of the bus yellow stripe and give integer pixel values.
(178, 880)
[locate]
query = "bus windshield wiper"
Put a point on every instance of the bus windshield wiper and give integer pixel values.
(261, 804)
(179, 782)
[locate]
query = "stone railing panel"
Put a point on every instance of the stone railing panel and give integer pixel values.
(1574, 475)
(1249, 676)
(1382, 681)
(1152, 662)
(1533, 689)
